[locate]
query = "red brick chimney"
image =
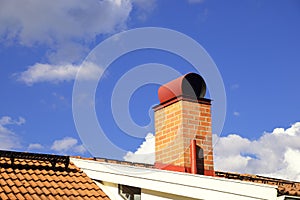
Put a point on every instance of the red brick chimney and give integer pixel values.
(183, 138)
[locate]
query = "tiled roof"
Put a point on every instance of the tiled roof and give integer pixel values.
(36, 179)
(285, 187)
(39, 179)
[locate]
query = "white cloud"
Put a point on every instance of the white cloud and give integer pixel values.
(68, 30)
(62, 26)
(291, 166)
(35, 146)
(235, 113)
(64, 144)
(67, 144)
(6, 120)
(59, 73)
(8, 139)
(275, 154)
(145, 153)
(79, 149)
(143, 8)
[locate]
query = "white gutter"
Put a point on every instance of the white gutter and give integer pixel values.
(287, 197)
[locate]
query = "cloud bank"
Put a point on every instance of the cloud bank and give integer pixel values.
(145, 153)
(67, 27)
(66, 31)
(275, 154)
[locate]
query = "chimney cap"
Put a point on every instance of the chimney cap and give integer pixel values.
(190, 85)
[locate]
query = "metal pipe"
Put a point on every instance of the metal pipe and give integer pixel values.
(193, 155)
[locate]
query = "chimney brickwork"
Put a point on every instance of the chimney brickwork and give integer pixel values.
(178, 120)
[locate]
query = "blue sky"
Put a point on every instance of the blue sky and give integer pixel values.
(254, 43)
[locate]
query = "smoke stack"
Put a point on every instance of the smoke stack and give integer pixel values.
(183, 138)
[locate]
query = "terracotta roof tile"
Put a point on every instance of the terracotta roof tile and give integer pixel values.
(38, 191)
(20, 197)
(52, 197)
(22, 190)
(10, 182)
(27, 196)
(42, 196)
(38, 179)
(11, 196)
(14, 188)
(6, 189)
(3, 196)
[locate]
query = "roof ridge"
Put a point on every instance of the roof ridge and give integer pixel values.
(38, 157)
(114, 161)
(253, 176)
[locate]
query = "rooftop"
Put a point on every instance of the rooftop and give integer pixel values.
(36, 176)
(285, 187)
(33, 176)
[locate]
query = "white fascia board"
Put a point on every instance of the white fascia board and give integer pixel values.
(183, 184)
(283, 197)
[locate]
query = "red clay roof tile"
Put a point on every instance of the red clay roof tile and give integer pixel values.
(38, 191)
(37, 179)
(14, 188)
(11, 196)
(3, 196)
(20, 197)
(6, 189)
(27, 196)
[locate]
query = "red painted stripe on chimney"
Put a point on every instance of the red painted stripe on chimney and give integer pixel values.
(193, 155)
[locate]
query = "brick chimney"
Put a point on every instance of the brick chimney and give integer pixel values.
(183, 140)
